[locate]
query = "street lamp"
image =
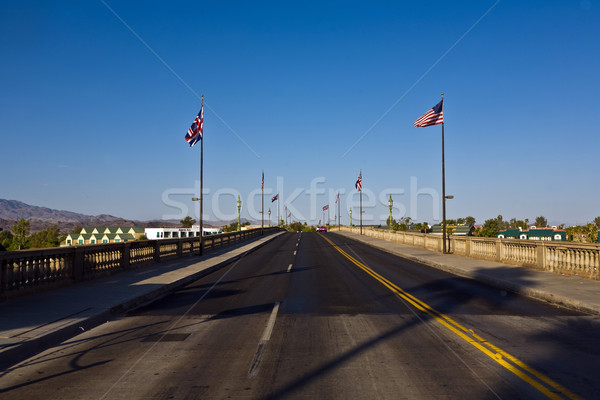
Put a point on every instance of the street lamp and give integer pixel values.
(197, 199)
(444, 231)
(239, 205)
(351, 217)
(269, 217)
(391, 204)
(201, 229)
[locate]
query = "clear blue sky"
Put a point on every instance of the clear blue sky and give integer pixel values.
(94, 122)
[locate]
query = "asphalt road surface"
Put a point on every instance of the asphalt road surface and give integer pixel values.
(319, 316)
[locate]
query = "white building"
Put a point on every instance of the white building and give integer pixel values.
(176, 233)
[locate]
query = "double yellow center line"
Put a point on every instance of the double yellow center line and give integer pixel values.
(534, 378)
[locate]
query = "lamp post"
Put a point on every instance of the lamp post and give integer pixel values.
(351, 218)
(200, 247)
(444, 231)
(391, 204)
(269, 217)
(239, 206)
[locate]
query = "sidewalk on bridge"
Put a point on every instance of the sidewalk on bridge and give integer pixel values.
(569, 291)
(32, 323)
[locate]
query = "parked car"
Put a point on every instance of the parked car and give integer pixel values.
(322, 229)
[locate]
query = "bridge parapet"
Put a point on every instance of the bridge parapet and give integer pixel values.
(582, 259)
(27, 271)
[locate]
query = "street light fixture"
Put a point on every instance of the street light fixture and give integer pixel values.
(239, 206)
(197, 199)
(269, 217)
(201, 230)
(351, 218)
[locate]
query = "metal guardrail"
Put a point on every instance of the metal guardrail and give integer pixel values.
(27, 271)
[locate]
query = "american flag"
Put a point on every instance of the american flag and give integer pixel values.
(289, 215)
(337, 198)
(326, 207)
(275, 197)
(194, 134)
(358, 184)
(262, 182)
(435, 116)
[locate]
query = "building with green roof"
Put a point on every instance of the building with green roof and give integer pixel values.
(547, 234)
(104, 234)
(509, 234)
(455, 230)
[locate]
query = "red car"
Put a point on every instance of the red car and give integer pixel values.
(322, 229)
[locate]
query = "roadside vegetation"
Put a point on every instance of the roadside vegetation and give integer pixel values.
(491, 227)
(20, 238)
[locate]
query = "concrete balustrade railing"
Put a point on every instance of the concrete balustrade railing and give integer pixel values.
(27, 271)
(581, 259)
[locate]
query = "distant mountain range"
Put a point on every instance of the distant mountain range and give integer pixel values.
(42, 217)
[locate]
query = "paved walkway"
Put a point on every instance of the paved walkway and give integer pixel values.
(570, 291)
(32, 323)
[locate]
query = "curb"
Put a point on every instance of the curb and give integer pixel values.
(27, 349)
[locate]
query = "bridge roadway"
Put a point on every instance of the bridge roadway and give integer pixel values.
(318, 316)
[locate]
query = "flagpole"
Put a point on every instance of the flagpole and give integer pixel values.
(278, 215)
(443, 187)
(339, 215)
(201, 172)
(262, 198)
(360, 201)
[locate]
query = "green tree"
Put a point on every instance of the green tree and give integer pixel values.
(502, 224)
(296, 227)
(585, 233)
(403, 224)
(469, 220)
(592, 232)
(49, 237)
(187, 222)
(491, 227)
(6, 239)
(597, 222)
(77, 230)
(390, 221)
(516, 224)
(233, 227)
(541, 222)
(422, 227)
(20, 231)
